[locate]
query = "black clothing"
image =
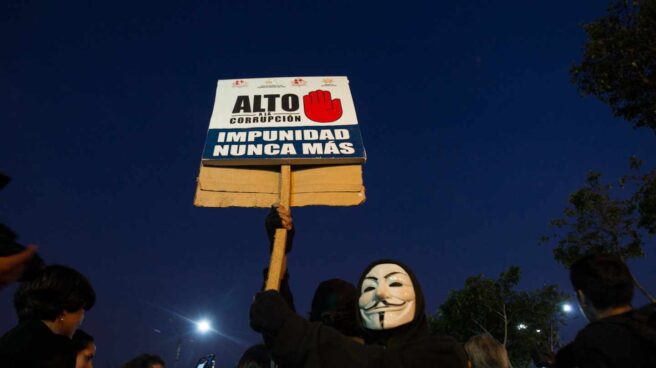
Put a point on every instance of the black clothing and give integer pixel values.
(334, 304)
(300, 343)
(269, 312)
(311, 344)
(625, 340)
(256, 356)
(32, 344)
(285, 291)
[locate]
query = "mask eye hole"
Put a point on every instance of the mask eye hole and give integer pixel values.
(369, 288)
(396, 284)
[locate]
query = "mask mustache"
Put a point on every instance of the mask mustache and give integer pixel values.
(385, 303)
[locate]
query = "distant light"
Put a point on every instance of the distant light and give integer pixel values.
(538, 330)
(567, 308)
(521, 326)
(203, 326)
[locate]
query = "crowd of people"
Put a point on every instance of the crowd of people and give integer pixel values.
(50, 303)
(379, 322)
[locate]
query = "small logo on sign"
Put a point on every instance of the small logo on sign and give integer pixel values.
(239, 83)
(327, 81)
(268, 81)
(297, 82)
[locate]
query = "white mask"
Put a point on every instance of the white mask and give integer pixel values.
(387, 297)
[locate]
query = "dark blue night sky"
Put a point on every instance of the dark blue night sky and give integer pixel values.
(474, 134)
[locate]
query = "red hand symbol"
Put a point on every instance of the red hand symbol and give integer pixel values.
(319, 107)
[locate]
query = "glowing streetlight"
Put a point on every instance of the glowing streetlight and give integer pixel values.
(203, 326)
(567, 308)
(538, 330)
(521, 326)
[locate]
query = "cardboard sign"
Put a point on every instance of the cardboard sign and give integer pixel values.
(256, 186)
(273, 121)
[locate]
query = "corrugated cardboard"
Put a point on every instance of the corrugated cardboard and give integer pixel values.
(339, 185)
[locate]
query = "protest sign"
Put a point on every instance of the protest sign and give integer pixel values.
(269, 121)
(293, 141)
(251, 186)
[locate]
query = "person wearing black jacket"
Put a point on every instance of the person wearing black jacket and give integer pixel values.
(617, 335)
(391, 314)
(334, 304)
(334, 300)
(50, 309)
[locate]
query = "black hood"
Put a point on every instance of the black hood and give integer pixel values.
(415, 329)
(333, 305)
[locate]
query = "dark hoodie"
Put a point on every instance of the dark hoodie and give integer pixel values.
(334, 305)
(301, 343)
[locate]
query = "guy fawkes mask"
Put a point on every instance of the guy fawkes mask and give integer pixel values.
(387, 297)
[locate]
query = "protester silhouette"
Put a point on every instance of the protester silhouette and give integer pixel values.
(334, 305)
(334, 301)
(394, 324)
(50, 309)
(617, 335)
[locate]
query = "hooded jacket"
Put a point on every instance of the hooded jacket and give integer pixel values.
(333, 305)
(301, 343)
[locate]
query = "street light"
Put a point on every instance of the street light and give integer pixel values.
(203, 326)
(521, 326)
(567, 308)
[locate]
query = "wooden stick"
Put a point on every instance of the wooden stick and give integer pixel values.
(278, 259)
